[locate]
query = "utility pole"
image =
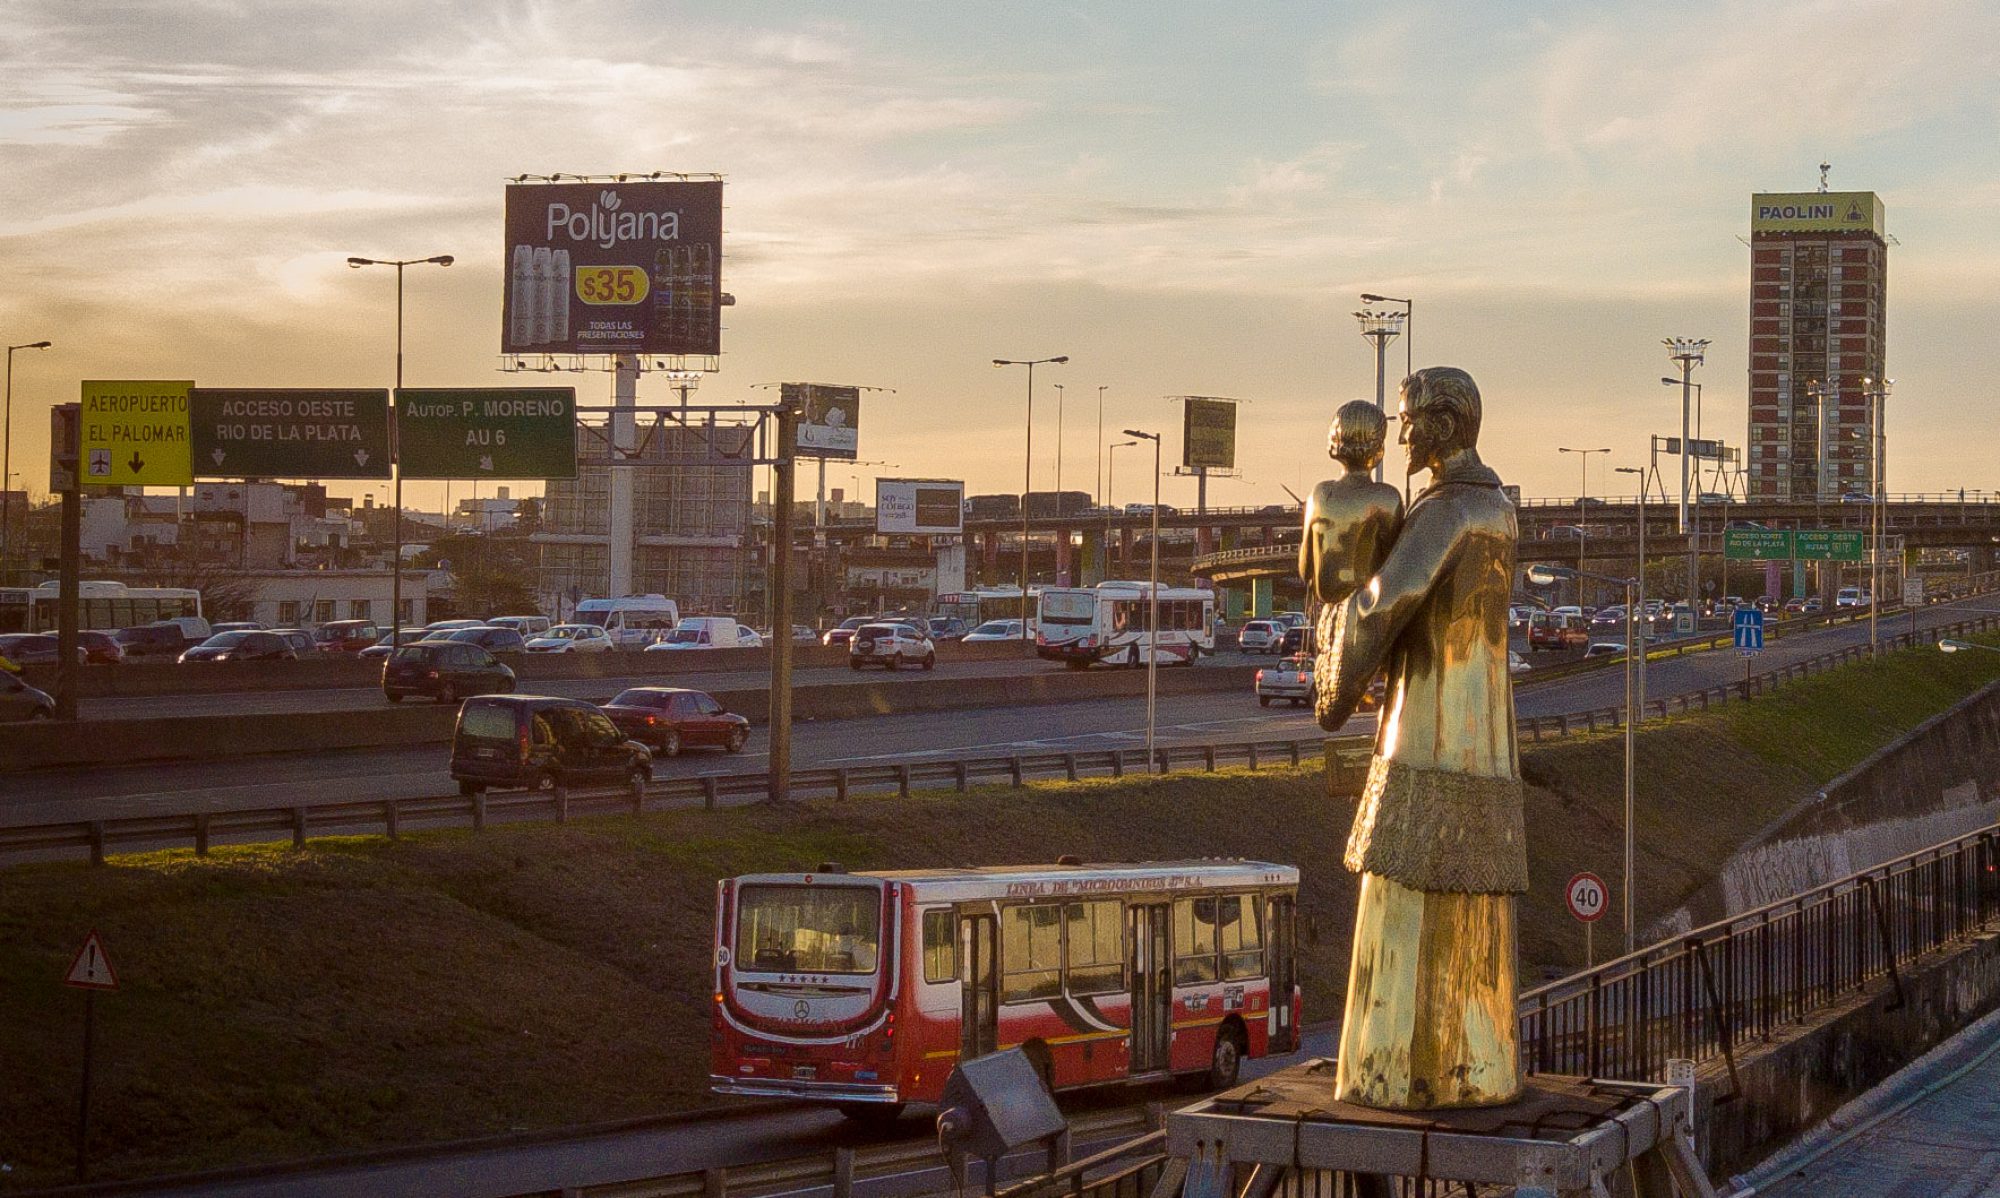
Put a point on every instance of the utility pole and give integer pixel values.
(784, 478)
(1688, 353)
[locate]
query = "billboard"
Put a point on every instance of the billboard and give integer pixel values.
(1208, 433)
(611, 268)
(831, 426)
(919, 505)
(1816, 212)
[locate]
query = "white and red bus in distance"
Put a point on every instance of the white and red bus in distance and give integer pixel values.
(866, 989)
(1108, 623)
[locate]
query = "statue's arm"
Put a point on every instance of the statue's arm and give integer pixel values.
(1374, 616)
(1314, 527)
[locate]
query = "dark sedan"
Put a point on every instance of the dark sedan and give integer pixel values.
(34, 648)
(494, 639)
(445, 671)
(100, 648)
(242, 646)
(668, 719)
(380, 649)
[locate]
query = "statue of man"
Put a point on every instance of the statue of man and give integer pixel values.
(1438, 838)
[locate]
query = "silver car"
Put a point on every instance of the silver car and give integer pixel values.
(1291, 679)
(890, 646)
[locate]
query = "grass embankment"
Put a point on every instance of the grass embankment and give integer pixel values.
(363, 993)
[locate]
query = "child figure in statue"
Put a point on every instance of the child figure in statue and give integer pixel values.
(1350, 521)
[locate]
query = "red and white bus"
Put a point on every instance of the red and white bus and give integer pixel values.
(865, 989)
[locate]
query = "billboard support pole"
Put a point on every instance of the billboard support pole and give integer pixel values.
(783, 485)
(68, 588)
(624, 397)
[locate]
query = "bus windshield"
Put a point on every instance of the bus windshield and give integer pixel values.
(808, 929)
(1069, 607)
(594, 618)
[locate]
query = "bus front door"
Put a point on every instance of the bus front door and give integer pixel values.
(979, 984)
(1150, 966)
(1281, 931)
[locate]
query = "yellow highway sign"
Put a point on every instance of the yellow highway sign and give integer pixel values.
(135, 434)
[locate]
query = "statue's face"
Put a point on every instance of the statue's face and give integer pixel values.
(1425, 432)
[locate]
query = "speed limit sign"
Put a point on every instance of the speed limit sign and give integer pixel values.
(1588, 897)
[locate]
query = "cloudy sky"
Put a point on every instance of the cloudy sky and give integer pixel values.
(1183, 197)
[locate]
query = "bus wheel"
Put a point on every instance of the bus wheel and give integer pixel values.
(1227, 1059)
(872, 1113)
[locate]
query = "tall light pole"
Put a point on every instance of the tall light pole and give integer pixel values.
(1635, 696)
(7, 463)
(1059, 447)
(395, 441)
(1409, 326)
(1635, 705)
(1582, 515)
(1028, 481)
(1878, 392)
(1110, 468)
(1381, 328)
(1152, 605)
(1688, 353)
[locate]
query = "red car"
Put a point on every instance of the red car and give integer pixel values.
(346, 636)
(100, 648)
(668, 719)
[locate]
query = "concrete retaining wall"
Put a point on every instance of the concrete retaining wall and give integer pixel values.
(112, 742)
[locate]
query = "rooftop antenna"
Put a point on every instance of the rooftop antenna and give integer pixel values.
(1824, 167)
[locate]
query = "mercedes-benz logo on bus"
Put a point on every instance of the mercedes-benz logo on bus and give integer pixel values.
(801, 1009)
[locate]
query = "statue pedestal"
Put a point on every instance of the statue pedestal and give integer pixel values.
(1563, 1137)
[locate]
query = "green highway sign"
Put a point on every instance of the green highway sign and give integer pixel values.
(1757, 544)
(1829, 545)
(289, 432)
(487, 432)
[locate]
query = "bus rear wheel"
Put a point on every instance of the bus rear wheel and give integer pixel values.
(873, 1114)
(1227, 1060)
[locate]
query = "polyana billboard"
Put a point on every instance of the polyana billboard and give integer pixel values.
(613, 268)
(1208, 433)
(919, 505)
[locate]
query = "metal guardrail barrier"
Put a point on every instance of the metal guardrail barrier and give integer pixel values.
(1702, 994)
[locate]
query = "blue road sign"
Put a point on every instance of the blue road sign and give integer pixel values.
(1749, 629)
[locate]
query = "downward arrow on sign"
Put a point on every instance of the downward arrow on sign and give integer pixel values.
(137, 463)
(218, 455)
(361, 457)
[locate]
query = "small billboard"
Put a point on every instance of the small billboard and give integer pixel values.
(927, 506)
(831, 425)
(613, 268)
(1208, 433)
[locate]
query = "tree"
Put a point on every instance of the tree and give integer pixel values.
(489, 575)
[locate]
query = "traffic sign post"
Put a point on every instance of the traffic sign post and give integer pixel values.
(1588, 899)
(290, 433)
(1749, 629)
(90, 972)
(487, 432)
(135, 434)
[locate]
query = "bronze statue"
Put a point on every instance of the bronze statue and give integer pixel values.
(1350, 520)
(1438, 837)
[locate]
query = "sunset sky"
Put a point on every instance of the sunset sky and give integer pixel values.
(1182, 197)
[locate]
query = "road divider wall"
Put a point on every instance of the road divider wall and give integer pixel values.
(44, 744)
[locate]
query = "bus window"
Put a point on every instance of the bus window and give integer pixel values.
(940, 949)
(1194, 940)
(1240, 924)
(1096, 957)
(1030, 953)
(811, 929)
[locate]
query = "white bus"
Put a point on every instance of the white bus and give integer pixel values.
(632, 622)
(1107, 623)
(106, 606)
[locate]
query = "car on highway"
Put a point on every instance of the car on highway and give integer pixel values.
(1607, 617)
(345, 636)
(842, 632)
(490, 637)
(707, 632)
(541, 742)
(667, 719)
(1290, 679)
(1516, 664)
(19, 701)
(301, 642)
(445, 671)
(380, 649)
(890, 646)
(1296, 640)
(1290, 619)
(452, 625)
(242, 646)
(1557, 630)
(1260, 636)
(239, 626)
(994, 630)
(1605, 649)
(1814, 606)
(100, 648)
(1848, 597)
(572, 638)
(154, 642)
(34, 648)
(947, 628)
(527, 626)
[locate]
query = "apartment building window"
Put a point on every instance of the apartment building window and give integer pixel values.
(288, 612)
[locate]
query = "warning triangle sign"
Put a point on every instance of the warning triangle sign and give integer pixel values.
(92, 968)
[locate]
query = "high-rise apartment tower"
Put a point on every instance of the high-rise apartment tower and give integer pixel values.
(1819, 268)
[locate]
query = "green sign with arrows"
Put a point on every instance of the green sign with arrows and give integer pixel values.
(1829, 545)
(487, 432)
(1808, 544)
(1756, 544)
(289, 433)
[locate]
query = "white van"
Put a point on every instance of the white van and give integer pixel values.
(632, 622)
(708, 632)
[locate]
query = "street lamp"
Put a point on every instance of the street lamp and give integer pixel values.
(1878, 393)
(1028, 478)
(1059, 446)
(7, 462)
(396, 454)
(1381, 328)
(1582, 516)
(1110, 468)
(1152, 604)
(1688, 353)
(1951, 646)
(1409, 326)
(1635, 702)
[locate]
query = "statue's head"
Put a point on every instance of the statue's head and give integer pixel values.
(1357, 436)
(1440, 415)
